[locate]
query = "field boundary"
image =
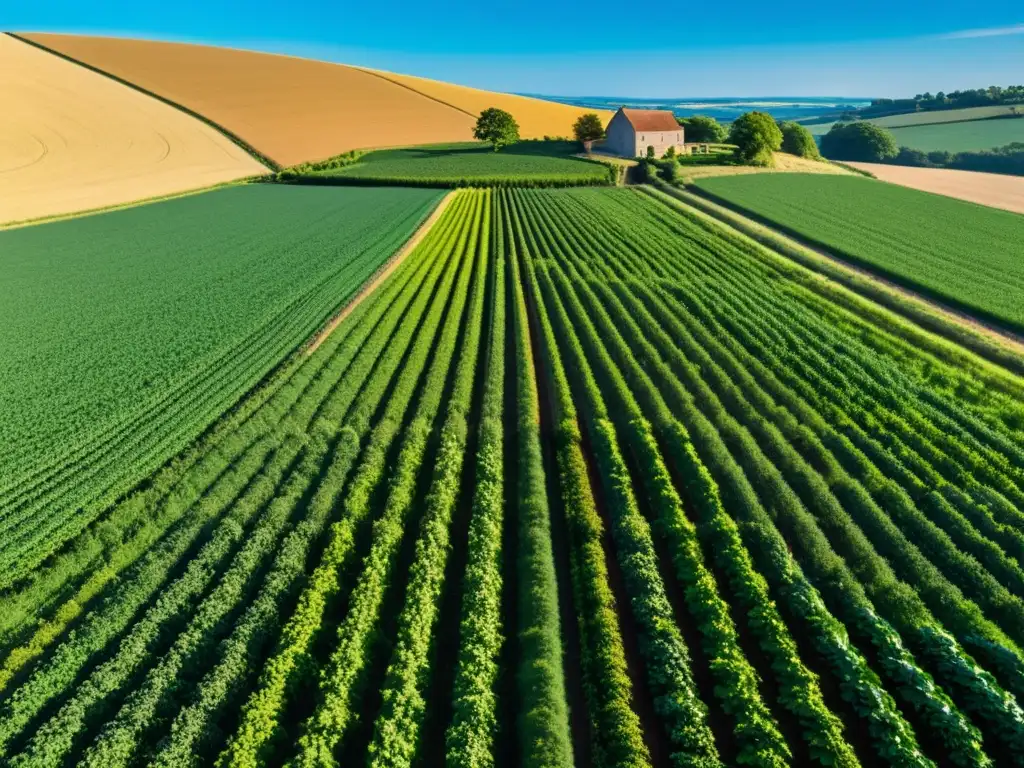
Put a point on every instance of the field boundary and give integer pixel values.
(384, 76)
(379, 276)
(269, 163)
(910, 287)
(130, 204)
(993, 344)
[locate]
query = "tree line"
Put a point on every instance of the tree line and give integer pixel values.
(992, 96)
(866, 142)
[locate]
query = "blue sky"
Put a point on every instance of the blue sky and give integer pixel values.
(672, 49)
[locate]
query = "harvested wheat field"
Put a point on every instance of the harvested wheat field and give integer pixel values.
(72, 140)
(293, 110)
(784, 163)
(992, 189)
(537, 118)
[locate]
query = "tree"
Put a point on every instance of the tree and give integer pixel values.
(860, 141)
(588, 127)
(703, 130)
(650, 152)
(797, 140)
(498, 127)
(756, 136)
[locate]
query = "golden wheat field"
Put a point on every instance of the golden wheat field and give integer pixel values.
(537, 118)
(72, 140)
(292, 109)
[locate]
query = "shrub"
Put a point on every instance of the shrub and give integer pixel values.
(650, 152)
(861, 141)
(756, 135)
(797, 140)
(703, 129)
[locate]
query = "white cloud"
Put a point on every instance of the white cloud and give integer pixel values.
(968, 34)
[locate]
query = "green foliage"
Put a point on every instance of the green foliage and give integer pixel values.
(497, 127)
(543, 720)
(471, 734)
(670, 170)
(650, 153)
(860, 141)
(527, 163)
(965, 261)
(700, 474)
(398, 729)
(152, 336)
(797, 140)
(702, 130)
(588, 127)
(288, 663)
(756, 136)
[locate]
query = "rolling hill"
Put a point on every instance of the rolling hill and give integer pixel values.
(74, 140)
(294, 110)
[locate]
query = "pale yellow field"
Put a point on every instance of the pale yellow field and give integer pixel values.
(294, 110)
(537, 118)
(993, 189)
(784, 163)
(72, 140)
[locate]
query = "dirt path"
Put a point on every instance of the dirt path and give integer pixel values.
(381, 275)
(991, 189)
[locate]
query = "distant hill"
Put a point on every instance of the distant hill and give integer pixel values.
(294, 110)
(72, 140)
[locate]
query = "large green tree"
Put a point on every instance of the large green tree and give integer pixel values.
(702, 129)
(797, 140)
(498, 127)
(756, 136)
(588, 127)
(860, 141)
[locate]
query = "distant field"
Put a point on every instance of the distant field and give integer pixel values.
(124, 335)
(961, 137)
(784, 163)
(73, 140)
(296, 110)
(536, 117)
(992, 189)
(473, 163)
(966, 255)
(930, 118)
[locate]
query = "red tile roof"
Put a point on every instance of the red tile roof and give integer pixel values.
(651, 119)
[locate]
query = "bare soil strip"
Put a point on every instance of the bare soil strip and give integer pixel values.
(380, 275)
(991, 189)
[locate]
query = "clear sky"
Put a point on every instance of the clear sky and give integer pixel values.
(600, 48)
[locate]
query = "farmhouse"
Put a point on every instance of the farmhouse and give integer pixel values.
(632, 131)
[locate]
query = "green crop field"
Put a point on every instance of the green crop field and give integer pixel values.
(588, 480)
(124, 335)
(961, 137)
(528, 163)
(965, 255)
(968, 114)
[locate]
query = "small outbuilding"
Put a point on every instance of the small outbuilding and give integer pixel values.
(632, 131)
